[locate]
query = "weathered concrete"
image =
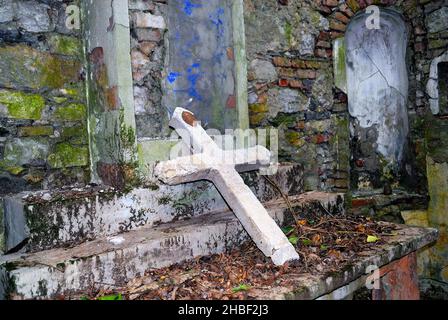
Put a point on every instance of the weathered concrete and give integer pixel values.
(115, 260)
(209, 162)
(307, 287)
(51, 219)
(377, 80)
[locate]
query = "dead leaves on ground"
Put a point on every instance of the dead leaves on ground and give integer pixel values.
(325, 244)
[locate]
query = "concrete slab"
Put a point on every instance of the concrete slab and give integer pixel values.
(112, 261)
(52, 219)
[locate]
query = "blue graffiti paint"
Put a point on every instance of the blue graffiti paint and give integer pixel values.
(189, 7)
(193, 76)
(172, 76)
(218, 21)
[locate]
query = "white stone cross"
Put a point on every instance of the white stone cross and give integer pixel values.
(209, 162)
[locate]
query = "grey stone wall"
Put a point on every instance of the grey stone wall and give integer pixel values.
(43, 135)
(148, 58)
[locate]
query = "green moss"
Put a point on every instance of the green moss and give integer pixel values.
(259, 107)
(60, 100)
(12, 169)
(65, 45)
(72, 112)
(35, 131)
(288, 32)
(22, 105)
(73, 132)
(34, 69)
(66, 155)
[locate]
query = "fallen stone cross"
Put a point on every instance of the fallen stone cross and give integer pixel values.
(209, 162)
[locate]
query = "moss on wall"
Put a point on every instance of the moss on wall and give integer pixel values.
(72, 112)
(66, 155)
(21, 105)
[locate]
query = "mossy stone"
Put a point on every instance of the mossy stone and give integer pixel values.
(22, 105)
(35, 131)
(23, 151)
(65, 45)
(12, 169)
(24, 67)
(72, 112)
(65, 155)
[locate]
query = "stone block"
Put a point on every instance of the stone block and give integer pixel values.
(263, 70)
(6, 11)
(147, 20)
(438, 20)
(24, 67)
(33, 16)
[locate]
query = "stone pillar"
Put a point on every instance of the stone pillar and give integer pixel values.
(111, 102)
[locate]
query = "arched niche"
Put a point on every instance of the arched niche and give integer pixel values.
(377, 89)
(437, 86)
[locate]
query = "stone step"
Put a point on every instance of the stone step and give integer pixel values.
(113, 261)
(45, 220)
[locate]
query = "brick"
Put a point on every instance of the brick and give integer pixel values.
(323, 44)
(353, 4)
(297, 84)
(283, 83)
(281, 62)
(341, 17)
(324, 9)
(324, 36)
(330, 3)
(346, 10)
(362, 4)
(306, 74)
(336, 34)
(286, 72)
(338, 26)
(320, 138)
(299, 64)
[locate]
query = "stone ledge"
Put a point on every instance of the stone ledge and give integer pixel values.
(307, 286)
(115, 261)
(50, 219)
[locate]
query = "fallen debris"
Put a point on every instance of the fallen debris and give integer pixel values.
(326, 244)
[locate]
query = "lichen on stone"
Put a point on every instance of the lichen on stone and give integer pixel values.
(65, 45)
(66, 155)
(72, 112)
(22, 105)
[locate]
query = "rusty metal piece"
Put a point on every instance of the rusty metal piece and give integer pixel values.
(399, 280)
(189, 118)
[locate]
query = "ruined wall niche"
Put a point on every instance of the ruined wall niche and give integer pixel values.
(189, 55)
(437, 86)
(377, 88)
